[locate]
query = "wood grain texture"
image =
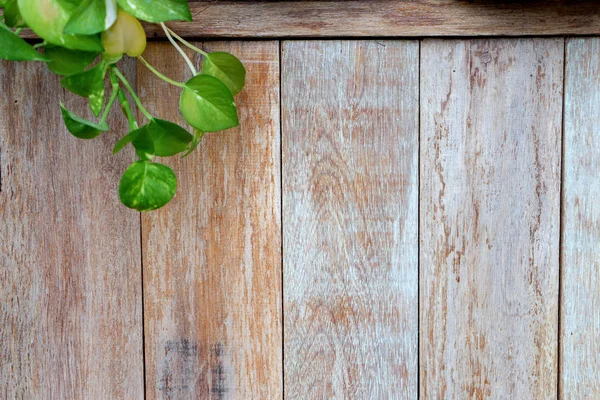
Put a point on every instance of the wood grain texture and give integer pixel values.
(212, 257)
(70, 273)
(489, 217)
(384, 18)
(580, 318)
(390, 18)
(350, 151)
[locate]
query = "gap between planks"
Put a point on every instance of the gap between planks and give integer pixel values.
(561, 222)
(279, 49)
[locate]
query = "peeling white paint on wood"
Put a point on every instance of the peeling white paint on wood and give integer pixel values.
(489, 217)
(580, 307)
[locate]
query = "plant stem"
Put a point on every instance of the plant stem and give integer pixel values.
(126, 108)
(186, 43)
(41, 44)
(132, 92)
(113, 96)
(161, 76)
(179, 49)
(18, 30)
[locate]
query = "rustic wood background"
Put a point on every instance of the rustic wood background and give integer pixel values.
(393, 219)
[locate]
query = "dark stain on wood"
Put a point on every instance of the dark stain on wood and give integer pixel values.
(179, 368)
(219, 373)
(220, 285)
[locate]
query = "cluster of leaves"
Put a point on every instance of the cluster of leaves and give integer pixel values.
(82, 42)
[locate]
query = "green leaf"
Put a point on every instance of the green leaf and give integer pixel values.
(68, 62)
(88, 84)
(12, 15)
(227, 68)
(147, 186)
(80, 127)
(167, 138)
(207, 104)
(48, 18)
(96, 102)
(158, 137)
(157, 11)
(141, 144)
(92, 16)
(124, 141)
(14, 48)
(198, 135)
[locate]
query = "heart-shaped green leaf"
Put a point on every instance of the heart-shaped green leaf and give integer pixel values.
(124, 141)
(157, 11)
(82, 128)
(141, 145)
(92, 16)
(14, 48)
(227, 68)
(96, 102)
(198, 135)
(167, 138)
(147, 186)
(88, 84)
(68, 62)
(12, 15)
(207, 104)
(48, 18)
(158, 137)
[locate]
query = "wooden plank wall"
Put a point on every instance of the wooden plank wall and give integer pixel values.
(350, 195)
(212, 259)
(580, 311)
(433, 241)
(489, 201)
(70, 281)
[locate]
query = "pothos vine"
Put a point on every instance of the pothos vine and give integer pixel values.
(83, 41)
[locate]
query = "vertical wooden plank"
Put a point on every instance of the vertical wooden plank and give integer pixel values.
(212, 258)
(350, 151)
(580, 323)
(489, 216)
(70, 273)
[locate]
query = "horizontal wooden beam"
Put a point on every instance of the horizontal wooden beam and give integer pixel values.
(389, 18)
(386, 18)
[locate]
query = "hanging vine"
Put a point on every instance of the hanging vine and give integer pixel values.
(83, 42)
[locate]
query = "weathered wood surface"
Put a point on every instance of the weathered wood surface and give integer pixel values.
(389, 18)
(580, 315)
(212, 258)
(489, 217)
(70, 287)
(386, 18)
(350, 151)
